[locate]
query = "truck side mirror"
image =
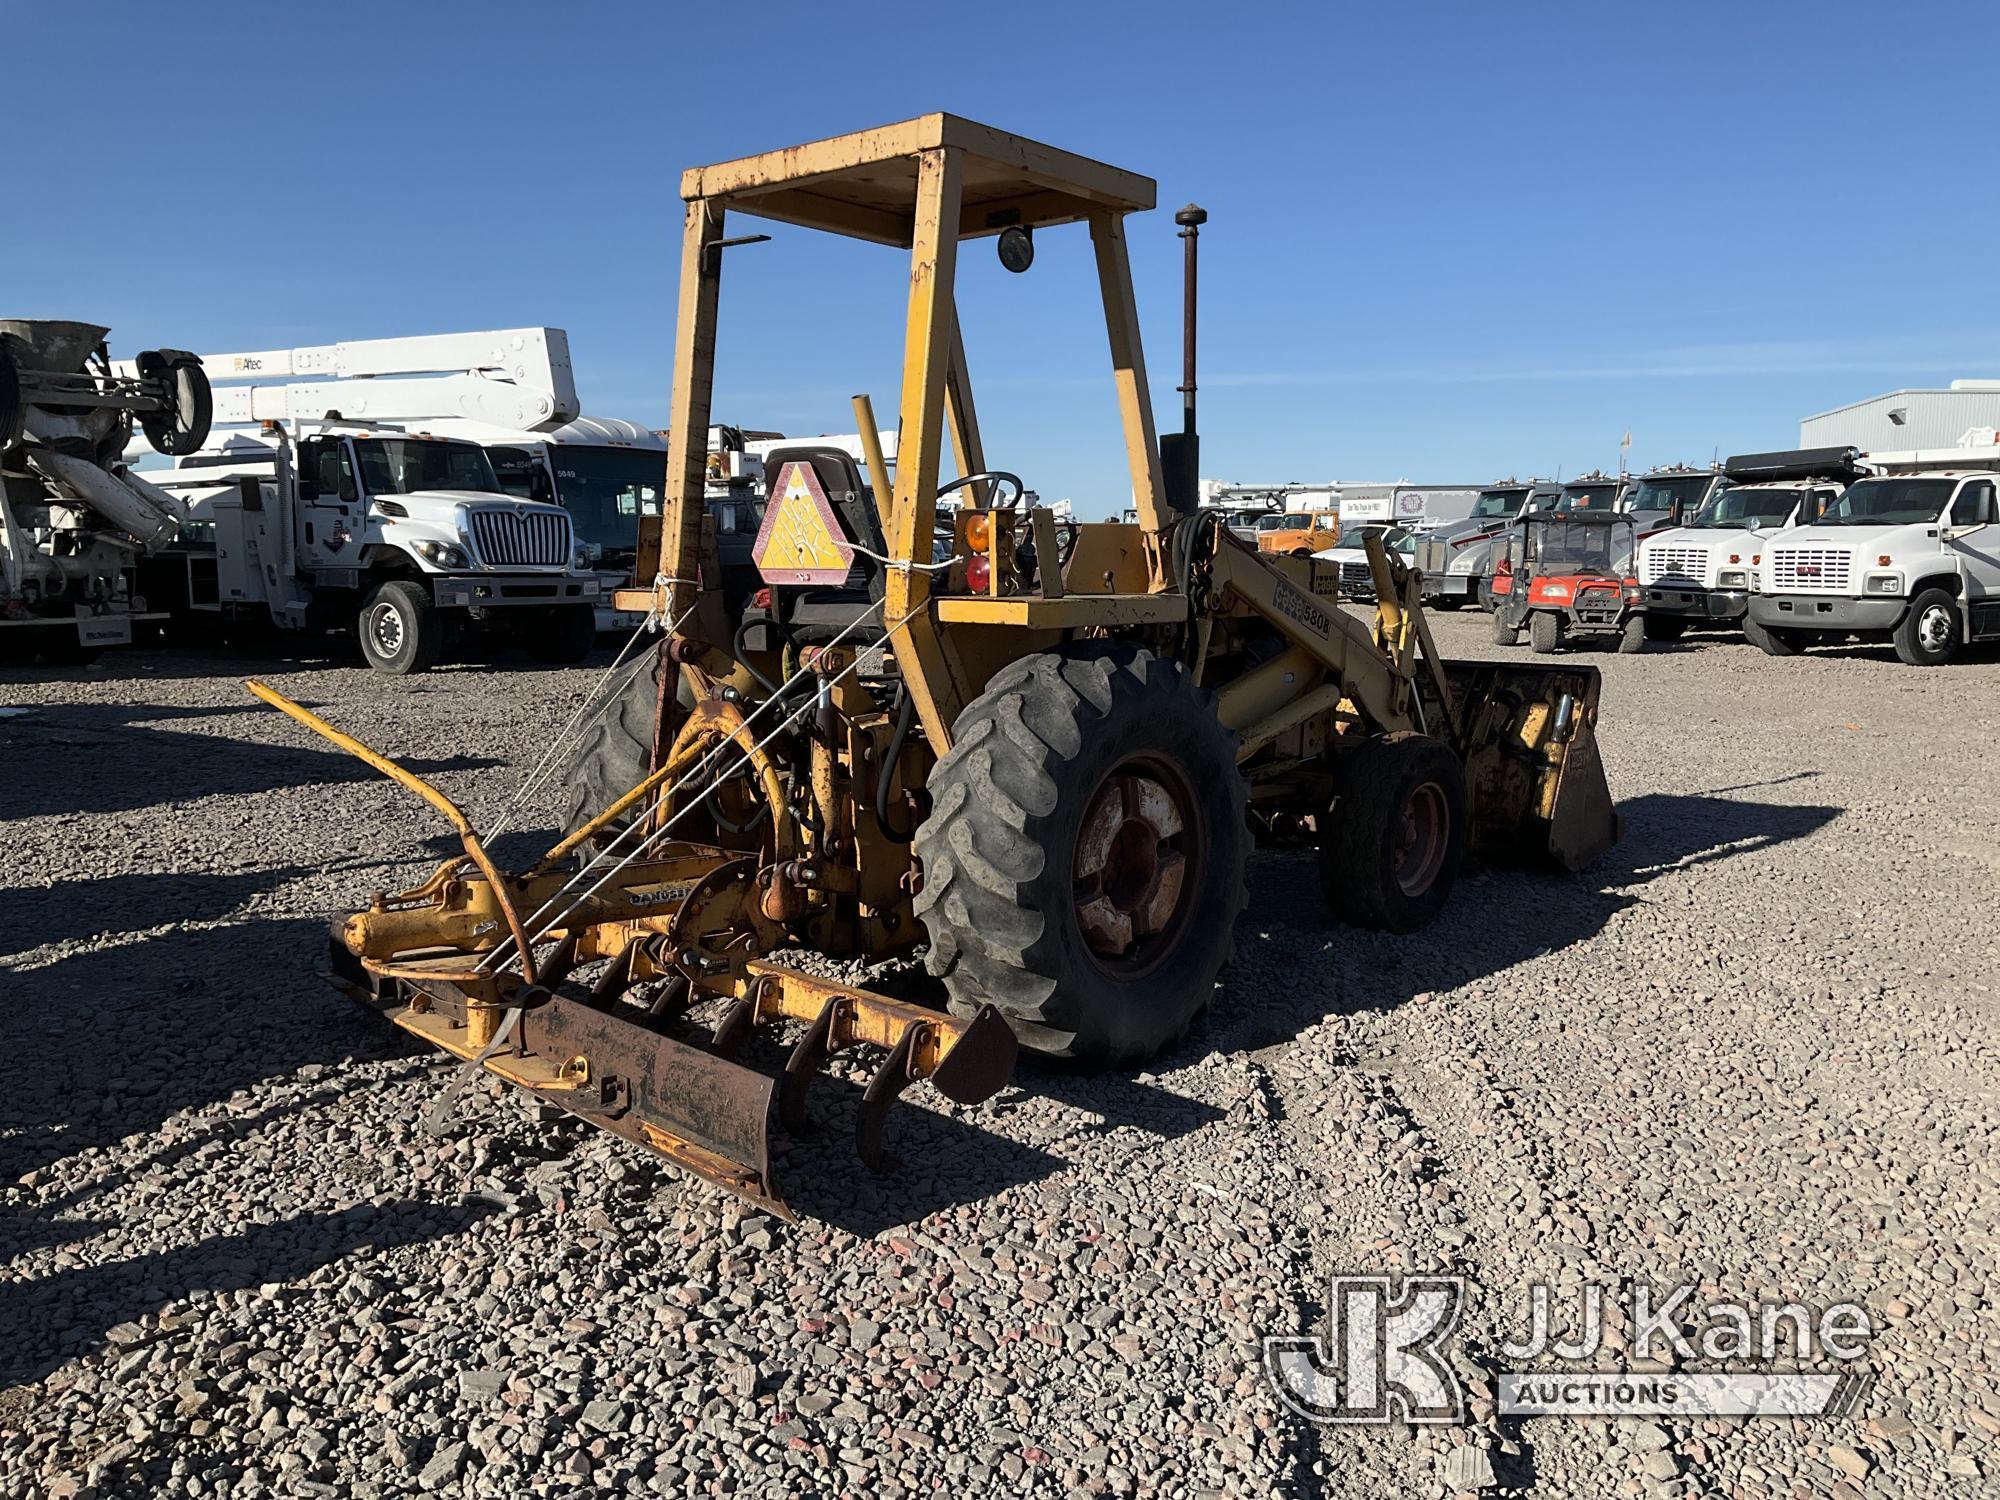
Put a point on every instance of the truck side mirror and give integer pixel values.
(307, 471)
(539, 487)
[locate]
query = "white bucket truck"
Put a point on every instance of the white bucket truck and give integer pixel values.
(1909, 554)
(327, 505)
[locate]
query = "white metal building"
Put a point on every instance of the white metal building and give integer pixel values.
(1906, 419)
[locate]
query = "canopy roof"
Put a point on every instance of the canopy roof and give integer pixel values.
(865, 184)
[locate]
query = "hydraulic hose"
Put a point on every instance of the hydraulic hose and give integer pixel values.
(905, 717)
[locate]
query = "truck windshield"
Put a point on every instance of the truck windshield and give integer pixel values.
(1588, 496)
(606, 490)
(1746, 509)
(1496, 505)
(1583, 547)
(1677, 493)
(402, 466)
(1889, 502)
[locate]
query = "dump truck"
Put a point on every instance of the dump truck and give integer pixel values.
(75, 517)
(1047, 778)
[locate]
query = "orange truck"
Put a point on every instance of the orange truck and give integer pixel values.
(1299, 532)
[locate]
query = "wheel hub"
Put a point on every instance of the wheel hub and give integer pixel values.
(1130, 867)
(386, 626)
(1934, 629)
(1420, 841)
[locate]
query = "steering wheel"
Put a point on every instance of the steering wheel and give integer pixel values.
(988, 476)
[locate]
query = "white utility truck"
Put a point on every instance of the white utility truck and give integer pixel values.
(1910, 554)
(75, 520)
(327, 505)
(1700, 572)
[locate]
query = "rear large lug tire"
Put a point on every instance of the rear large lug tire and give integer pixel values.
(400, 629)
(1084, 856)
(1929, 635)
(615, 753)
(1505, 631)
(1393, 841)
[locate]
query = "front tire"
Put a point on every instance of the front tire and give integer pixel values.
(1773, 641)
(400, 628)
(567, 634)
(1665, 627)
(1545, 632)
(1632, 635)
(1083, 859)
(1395, 837)
(61, 646)
(1929, 635)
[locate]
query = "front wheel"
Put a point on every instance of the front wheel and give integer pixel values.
(1392, 843)
(1545, 632)
(1633, 635)
(1773, 641)
(1084, 855)
(1665, 627)
(400, 628)
(1929, 635)
(565, 634)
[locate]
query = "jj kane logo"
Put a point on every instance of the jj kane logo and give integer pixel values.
(1386, 1356)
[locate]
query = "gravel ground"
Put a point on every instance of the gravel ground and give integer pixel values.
(1754, 1048)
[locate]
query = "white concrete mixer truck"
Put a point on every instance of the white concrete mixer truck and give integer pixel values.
(75, 520)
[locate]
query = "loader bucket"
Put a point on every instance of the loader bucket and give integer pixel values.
(1528, 735)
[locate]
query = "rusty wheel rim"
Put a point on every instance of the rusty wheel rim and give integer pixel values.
(1421, 839)
(1137, 865)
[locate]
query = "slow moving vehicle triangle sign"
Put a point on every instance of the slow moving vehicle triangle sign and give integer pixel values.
(801, 540)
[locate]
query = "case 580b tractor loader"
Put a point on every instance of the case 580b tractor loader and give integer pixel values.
(1051, 771)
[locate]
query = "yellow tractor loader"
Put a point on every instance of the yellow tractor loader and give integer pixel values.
(1042, 748)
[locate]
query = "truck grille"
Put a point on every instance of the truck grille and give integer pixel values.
(1686, 566)
(1356, 579)
(1810, 570)
(534, 539)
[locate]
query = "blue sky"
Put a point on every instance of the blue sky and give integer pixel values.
(1446, 242)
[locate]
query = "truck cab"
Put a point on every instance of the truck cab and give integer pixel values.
(1298, 533)
(1666, 496)
(1702, 571)
(1911, 556)
(1456, 558)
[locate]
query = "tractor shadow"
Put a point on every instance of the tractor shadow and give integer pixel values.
(71, 758)
(112, 1041)
(56, 1317)
(1293, 969)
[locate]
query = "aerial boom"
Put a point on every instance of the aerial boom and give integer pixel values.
(519, 379)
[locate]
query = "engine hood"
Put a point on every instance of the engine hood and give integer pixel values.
(1864, 538)
(483, 499)
(1725, 539)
